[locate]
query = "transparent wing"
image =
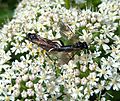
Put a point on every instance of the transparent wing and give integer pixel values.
(67, 33)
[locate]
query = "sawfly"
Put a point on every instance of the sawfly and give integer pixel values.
(50, 45)
(65, 52)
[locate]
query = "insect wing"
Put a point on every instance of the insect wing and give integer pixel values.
(42, 42)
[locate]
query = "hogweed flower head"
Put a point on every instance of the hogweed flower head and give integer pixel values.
(28, 73)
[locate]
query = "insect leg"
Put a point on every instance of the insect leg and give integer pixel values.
(49, 56)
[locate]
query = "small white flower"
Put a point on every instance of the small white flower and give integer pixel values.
(16, 93)
(102, 40)
(25, 77)
(92, 66)
(88, 91)
(114, 82)
(4, 57)
(100, 87)
(83, 68)
(25, 47)
(86, 36)
(92, 79)
(24, 94)
(77, 92)
(29, 84)
(83, 81)
(77, 80)
(18, 80)
(77, 72)
(17, 100)
(103, 71)
(97, 25)
(106, 47)
(103, 99)
(16, 86)
(16, 48)
(93, 19)
(109, 62)
(30, 92)
(71, 65)
(82, 23)
(19, 36)
(27, 100)
(26, 59)
(31, 77)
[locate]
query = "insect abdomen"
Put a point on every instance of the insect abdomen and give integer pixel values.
(67, 48)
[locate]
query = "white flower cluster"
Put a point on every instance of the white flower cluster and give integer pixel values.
(28, 74)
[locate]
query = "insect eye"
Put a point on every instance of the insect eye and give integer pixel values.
(32, 36)
(85, 45)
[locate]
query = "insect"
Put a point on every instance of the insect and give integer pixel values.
(50, 45)
(64, 52)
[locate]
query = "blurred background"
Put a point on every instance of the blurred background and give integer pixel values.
(6, 10)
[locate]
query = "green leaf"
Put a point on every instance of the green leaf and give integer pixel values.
(4, 15)
(67, 3)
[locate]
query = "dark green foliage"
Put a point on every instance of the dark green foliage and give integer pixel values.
(6, 10)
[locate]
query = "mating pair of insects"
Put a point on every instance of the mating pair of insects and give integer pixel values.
(50, 45)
